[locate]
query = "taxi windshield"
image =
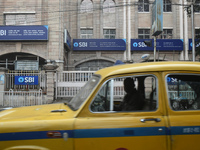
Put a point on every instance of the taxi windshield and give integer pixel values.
(83, 94)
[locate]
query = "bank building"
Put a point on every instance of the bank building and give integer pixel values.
(40, 40)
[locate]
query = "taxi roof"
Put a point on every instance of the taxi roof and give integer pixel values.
(149, 67)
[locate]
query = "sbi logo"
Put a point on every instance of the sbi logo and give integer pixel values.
(26, 79)
(139, 44)
(75, 44)
(2, 32)
(20, 79)
(191, 44)
(80, 44)
(135, 44)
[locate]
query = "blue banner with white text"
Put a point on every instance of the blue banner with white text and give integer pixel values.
(197, 43)
(161, 45)
(26, 80)
(23, 33)
(99, 44)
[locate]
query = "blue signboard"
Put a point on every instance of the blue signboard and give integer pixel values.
(174, 81)
(21, 33)
(190, 44)
(67, 39)
(157, 17)
(161, 44)
(26, 80)
(138, 44)
(99, 44)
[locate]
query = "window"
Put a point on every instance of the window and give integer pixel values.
(86, 6)
(19, 19)
(197, 6)
(109, 33)
(130, 93)
(197, 33)
(143, 5)
(166, 34)
(143, 33)
(109, 6)
(86, 33)
(167, 6)
(85, 91)
(93, 65)
(183, 91)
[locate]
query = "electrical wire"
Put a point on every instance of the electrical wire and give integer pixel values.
(46, 14)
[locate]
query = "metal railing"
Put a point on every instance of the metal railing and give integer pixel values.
(74, 76)
(10, 81)
(182, 95)
(21, 98)
(68, 83)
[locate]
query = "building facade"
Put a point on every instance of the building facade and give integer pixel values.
(35, 33)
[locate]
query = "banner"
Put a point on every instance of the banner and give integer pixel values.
(26, 80)
(161, 45)
(157, 17)
(23, 33)
(197, 44)
(99, 44)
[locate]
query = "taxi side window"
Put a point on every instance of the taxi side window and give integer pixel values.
(130, 93)
(183, 91)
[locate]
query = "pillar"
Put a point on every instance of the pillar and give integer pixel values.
(50, 70)
(2, 85)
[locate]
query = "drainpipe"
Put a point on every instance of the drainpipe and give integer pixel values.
(185, 33)
(193, 41)
(129, 31)
(181, 26)
(60, 30)
(124, 27)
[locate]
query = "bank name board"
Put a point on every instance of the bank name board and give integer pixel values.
(197, 43)
(99, 44)
(120, 44)
(26, 80)
(23, 33)
(161, 44)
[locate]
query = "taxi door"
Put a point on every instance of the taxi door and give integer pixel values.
(99, 126)
(184, 110)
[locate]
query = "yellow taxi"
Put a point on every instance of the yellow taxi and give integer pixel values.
(154, 106)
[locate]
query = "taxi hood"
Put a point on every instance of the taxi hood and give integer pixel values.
(39, 112)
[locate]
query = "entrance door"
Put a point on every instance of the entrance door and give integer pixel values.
(117, 120)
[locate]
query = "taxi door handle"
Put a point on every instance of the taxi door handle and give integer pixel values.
(150, 119)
